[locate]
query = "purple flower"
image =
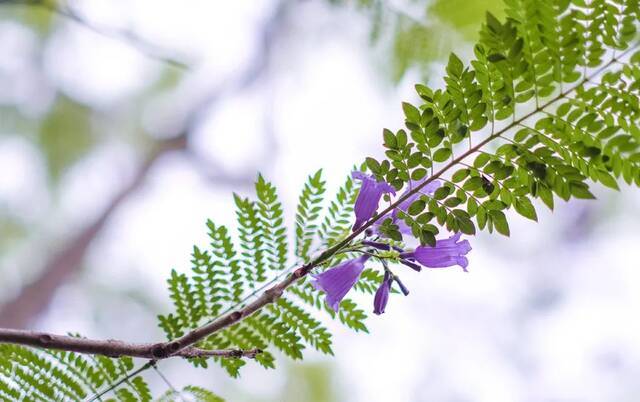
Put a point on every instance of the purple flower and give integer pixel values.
(382, 294)
(446, 253)
(428, 189)
(337, 281)
(368, 198)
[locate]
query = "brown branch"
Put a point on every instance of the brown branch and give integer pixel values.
(175, 347)
(273, 293)
(110, 347)
(228, 353)
(178, 346)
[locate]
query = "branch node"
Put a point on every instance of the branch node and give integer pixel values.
(45, 338)
(158, 351)
(235, 316)
(251, 354)
(273, 294)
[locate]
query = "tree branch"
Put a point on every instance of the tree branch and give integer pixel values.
(183, 345)
(110, 347)
(272, 294)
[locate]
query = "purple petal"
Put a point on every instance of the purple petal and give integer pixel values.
(368, 197)
(446, 253)
(356, 175)
(403, 227)
(464, 263)
(382, 294)
(337, 281)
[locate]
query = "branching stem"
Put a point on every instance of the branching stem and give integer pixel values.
(183, 346)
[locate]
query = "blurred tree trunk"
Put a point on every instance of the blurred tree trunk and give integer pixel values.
(35, 297)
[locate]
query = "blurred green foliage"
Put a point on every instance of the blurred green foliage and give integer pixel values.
(65, 135)
(415, 42)
(311, 382)
(465, 16)
(36, 16)
(414, 47)
(11, 231)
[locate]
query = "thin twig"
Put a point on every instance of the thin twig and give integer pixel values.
(166, 381)
(132, 374)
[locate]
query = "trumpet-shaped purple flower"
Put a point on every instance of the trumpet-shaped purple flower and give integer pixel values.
(382, 294)
(368, 198)
(336, 282)
(446, 253)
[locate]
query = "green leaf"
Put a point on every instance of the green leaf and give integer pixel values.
(499, 222)
(524, 207)
(308, 213)
(441, 154)
(473, 183)
(460, 175)
(580, 190)
(389, 139)
(416, 207)
(466, 226)
(481, 160)
(455, 66)
(427, 237)
(373, 165)
(496, 57)
(411, 112)
(418, 174)
(606, 179)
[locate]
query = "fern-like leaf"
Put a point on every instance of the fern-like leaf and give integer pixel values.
(338, 219)
(307, 214)
(52, 375)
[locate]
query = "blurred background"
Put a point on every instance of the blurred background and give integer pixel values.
(125, 124)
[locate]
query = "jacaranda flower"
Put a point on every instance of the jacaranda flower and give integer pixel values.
(336, 282)
(446, 253)
(382, 294)
(368, 198)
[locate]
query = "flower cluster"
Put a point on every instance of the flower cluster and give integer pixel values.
(336, 282)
